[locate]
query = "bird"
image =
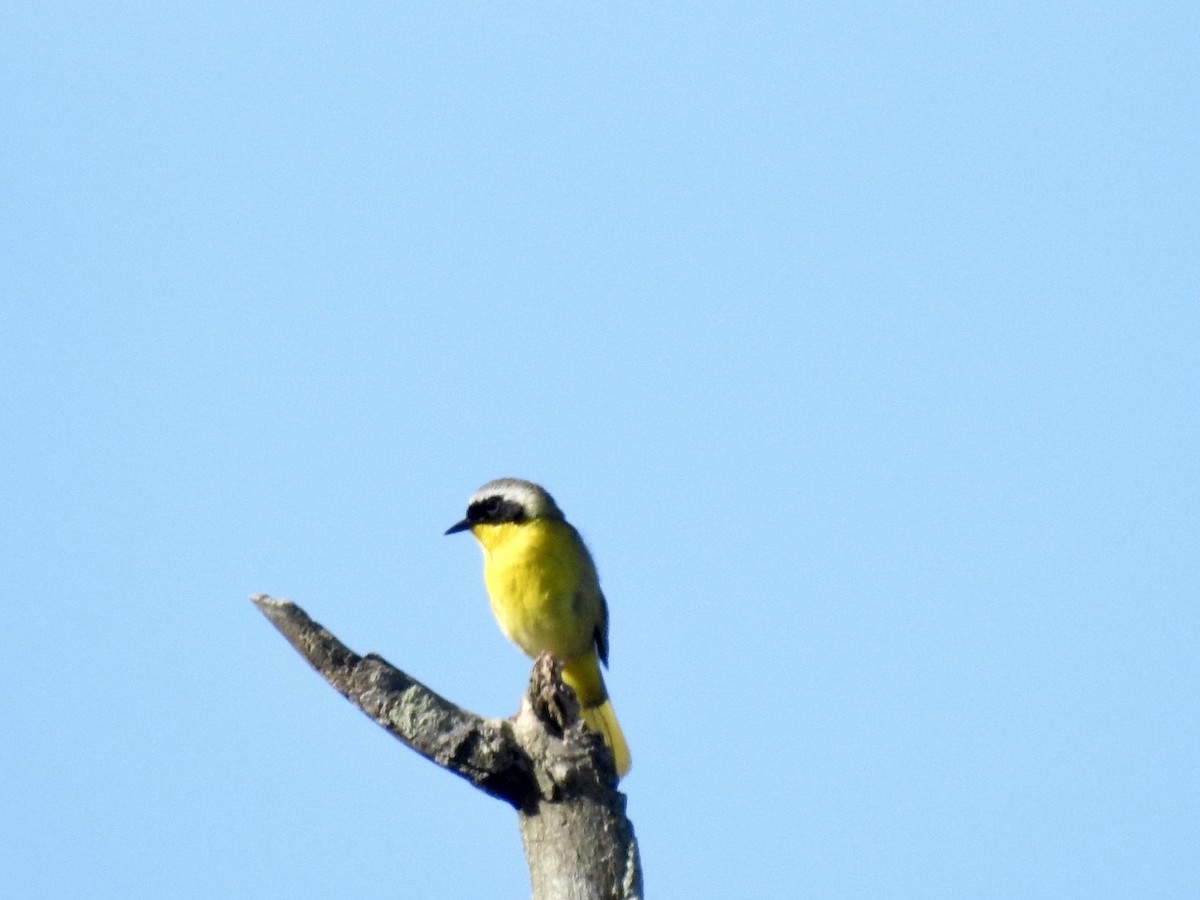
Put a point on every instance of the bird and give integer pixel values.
(545, 593)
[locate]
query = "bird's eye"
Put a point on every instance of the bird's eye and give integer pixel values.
(496, 510)
(487, 510)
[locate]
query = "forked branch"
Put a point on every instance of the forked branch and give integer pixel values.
(558, 776)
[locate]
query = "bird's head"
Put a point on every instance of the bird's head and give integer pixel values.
(507, 500)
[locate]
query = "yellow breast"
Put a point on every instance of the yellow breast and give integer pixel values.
(542, 586)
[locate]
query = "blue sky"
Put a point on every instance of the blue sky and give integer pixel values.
(862, 343)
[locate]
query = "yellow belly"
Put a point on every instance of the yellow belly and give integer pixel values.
(542, 587)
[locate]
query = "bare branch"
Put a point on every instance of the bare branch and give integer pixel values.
(560, 777)
(483, 751)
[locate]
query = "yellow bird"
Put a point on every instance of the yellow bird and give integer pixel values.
(545, 593)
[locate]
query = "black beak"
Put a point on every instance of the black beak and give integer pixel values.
(464, 525)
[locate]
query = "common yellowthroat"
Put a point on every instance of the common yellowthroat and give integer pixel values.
(545, 593)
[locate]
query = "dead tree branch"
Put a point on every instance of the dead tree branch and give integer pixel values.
(578, 842)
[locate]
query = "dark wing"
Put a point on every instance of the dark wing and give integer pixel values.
(589, 579)
(602, 630)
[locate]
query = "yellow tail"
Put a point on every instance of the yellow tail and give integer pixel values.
(582, 675)
(603, 719)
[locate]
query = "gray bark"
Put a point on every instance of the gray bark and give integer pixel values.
(559, 777)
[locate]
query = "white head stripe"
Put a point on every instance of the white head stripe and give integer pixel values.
(532, 498)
